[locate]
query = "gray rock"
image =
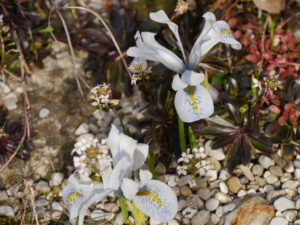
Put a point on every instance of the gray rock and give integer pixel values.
(195, 202)
(241, 193)
(219, 211)
(57, 207)
(44, 112)
(211, 204)
(204, 194)
(292, 184)
(186, 221)
(172, 181)
(268, 188)
(297, 173)
(289, 167)
(229, 207)
(286, 192)
(41, 203)
(290, 215)
(265, 161)
(119, 219)
(257, 170)
(218, 154)
(224, 175)
(189, 212)
(93, 128)
(56, 179)
(297, 222)
(270, 178)
(221, 197)
(6, 210)
(173, 222)
(98, 215)
(12, 190)
(276, 170)
(283, 203)
(214, 219)
(83, 128)
(223, 187)
(10, 101)
(298, 204)
(3, 196)
(201, 218)
(297, 163)
(160, 168)
(42, 187)
(56, 215)
(279, 221)
(184, 180)
(285, 177)
(182, 204)
(247, 172)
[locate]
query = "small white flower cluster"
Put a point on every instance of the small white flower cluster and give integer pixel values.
(195, 163)
(101, 96)
(93, 157)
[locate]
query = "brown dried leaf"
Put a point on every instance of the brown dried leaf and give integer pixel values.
(271, 6)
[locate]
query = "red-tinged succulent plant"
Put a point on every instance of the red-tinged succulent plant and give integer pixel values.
(10, 137)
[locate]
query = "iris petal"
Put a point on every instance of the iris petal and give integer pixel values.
(193, 104)
(177, 83)
(140, 155)
(157, 200)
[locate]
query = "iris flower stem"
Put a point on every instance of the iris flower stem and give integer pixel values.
(272, 25)
(205, 82)
(151, 166)
(181, 135)
(124, 210)
(192, 138)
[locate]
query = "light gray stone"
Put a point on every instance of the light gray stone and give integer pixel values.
(98, 215)
(212, 175)
(219, 211)
(172, 181)
(297, 222)
(195, 202)
(10, 101)
(222, 198)
(265, 161)
(57, 206)
(3, 196)
(285, 177)
(279, 221)
(214, 218)
(44, 112)
(42, 187)
(297, 173)
(6, 210)
(119, 219)
(270, 178)
(204, 194)
(211, 204)
(229, 207)
(247, 172)
(223, 187)
(218, 154)
(290, 215)
(201, 218)
(41, 203)
(83, 128)
(184, 180)
(292, 184)
(241, 193)
(173, 222)
(283, 203)
(56, 179)
(276, 170)
(298, 204)
(182, 204)
(289, 167)
(257, 170)
(224, 175)
(297, 163)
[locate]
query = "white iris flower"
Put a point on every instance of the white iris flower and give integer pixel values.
(154, 198)
(192, 101)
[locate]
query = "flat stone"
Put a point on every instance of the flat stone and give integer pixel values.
(184, 180)
(3, 196)
(270, 178)
(4, 89)
(285, 177)
(234, 184)
(247, 172)
(214, 218)
(290, 215)
(211, 204)
(201, 218)
(176, 190)
(172, 181)
(204, 194)
(195, 202)
(224, 175)
(56, 179)
(297, 222)
(241, 193)
(214, 164)
(42, 187)
(297, 174)
(253, 210)
(229, 207)
(218, 154)
(6, 210)
(44, 112)
(173, 222)
(286, 192)
(223, 187)
(98, 215)
(119, 219)
(283, 203)
(265, 161)
(41, 203)
(292, 184)
(223, 198)
(83, 128)
(185, 191)
(289, 167)
(10, 101)
(276, 170)
(297, 163)
(212, 175)
(268, 188)
(189, 212)
(298, 204)
(182, 204)
(279, 221)
(160, 168)
(257, 170)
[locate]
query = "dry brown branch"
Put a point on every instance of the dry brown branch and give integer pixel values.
(28, 184)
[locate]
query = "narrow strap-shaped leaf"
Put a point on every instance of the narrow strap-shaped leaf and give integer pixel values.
(181, 135)
(124, 210)
(192, 138)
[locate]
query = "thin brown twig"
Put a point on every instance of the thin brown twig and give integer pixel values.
(28, 184)
(71, 49)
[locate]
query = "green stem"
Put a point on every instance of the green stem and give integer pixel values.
(126, 131)
(205, 82)
(192, 138)
(272, 34)
(151, 166)
(124, 210)
(181, 135)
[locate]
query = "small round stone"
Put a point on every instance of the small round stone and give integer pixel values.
(289, 167)
(42, 187)
(201, 218)
(290, 215)
(279, 221)
(270, 178)
(195, 202)
(214, 218)
(189, 212)
(212, 175)
(224, 175)
(83, 128)
(173, 222)
(41, 203)
(283, 203)
(241, 193)
(223, 187)
(160, 168)
(297, 163)
(229, 207)
(204, 194)
(221, 197)
(185, 191)
(291, 184)
(276, 170)
(6, 210)
(257, 170)
(211, 204)
(265, 161)
(234, 184)
(44, 112)
(297, 173)
(56, 179)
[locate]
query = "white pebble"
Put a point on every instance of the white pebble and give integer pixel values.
(279, 221)
(223, 187)
(224, 175)
(292, 184)
(289, 167)
(56, 179)
(44, 112)
(83, 128)
(298, 204)
(6, 210)
(189, 212)
(219, 211)
(212, 175)
(297, 173)
(283, 203)
(173, 222)
(297, 163)
(172, 181)
(229, 207)
(270, 178)
(211, 204)
(257, 170)
(290, 215)
(221, 197)
(297, 222)
(265, 161)
(241, 193)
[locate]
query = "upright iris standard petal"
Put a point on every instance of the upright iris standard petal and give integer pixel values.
(161, 17)
(226, 35)
(149, 49)
(140, 155)
(193, 103)
(192, 78)
(178, 84)
(157, 200)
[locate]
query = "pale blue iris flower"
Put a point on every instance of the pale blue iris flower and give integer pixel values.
(192, 101)
(154, 198)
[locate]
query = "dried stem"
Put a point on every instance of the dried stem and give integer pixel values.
(260, 63)
(28, 184)
(98, 15)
